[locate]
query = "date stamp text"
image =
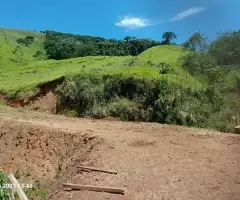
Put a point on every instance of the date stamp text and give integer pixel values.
(13, 186)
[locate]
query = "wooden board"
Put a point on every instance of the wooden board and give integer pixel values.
(19, 190)
(94, 188)
(96, 169)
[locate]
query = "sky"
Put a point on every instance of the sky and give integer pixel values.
(117, 19)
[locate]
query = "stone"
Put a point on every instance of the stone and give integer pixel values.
(237, 129)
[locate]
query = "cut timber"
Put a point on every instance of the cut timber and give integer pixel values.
(94, 188)
(237, 129)
(19, 190)
(98, 170)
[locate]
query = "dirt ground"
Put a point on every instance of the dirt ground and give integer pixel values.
(154, 161)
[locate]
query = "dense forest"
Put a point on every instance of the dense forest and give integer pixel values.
(62, 45)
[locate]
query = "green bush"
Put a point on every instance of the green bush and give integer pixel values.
(99, 112)
(81, 94)
(139, 99)
(198, 63)
(30, 38)
(124, 109)
(26, 41)
(120, 96)
(164, 68)
(38, 54)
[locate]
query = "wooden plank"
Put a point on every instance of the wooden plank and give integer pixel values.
(94, 188)
(19, 190)
(96, 169)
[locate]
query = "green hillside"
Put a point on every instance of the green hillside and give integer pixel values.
(145, 65)
(158, 83)
(23, 75)
(14, 54)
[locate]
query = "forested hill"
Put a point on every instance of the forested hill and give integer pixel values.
(63, 45)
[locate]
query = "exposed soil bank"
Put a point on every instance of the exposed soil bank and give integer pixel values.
(41, 153)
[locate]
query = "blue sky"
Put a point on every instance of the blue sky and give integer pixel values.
(117, 19)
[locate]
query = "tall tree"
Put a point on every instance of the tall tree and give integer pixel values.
(197, 42)
(226, 49)
(168, 37)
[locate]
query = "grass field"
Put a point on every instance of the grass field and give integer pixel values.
(20, 75)
(13, 54)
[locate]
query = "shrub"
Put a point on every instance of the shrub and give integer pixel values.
(80, 94)
(198, 63)
(99, 112)
(123, 108)
(38, 54)
(164, 68)
(30, 38)
(25, 41)
(22, 41)
(139, 99)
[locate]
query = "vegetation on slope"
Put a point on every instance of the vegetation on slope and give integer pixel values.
(126, 97)
(218, 65)
(160, 98)
(15, 53)
(196, 84)
(23, 80)
(19, 80)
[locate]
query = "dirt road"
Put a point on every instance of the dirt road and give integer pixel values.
(153, 161)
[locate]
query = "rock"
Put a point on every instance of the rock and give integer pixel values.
(237, 129)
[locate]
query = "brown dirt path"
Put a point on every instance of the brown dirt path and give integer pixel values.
(153, 161)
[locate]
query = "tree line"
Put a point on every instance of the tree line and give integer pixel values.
(63, 45)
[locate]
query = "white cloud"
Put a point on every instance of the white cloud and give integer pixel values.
(134, 22)
(190, 12)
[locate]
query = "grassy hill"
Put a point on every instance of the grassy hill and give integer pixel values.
(14, 54)
(23, 74)
(127, 87)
